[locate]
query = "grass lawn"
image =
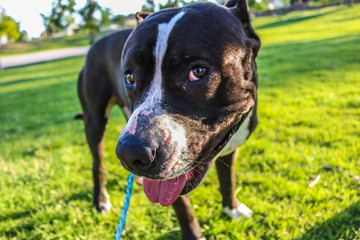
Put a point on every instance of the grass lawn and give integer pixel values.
(309, 110)
(12, 49)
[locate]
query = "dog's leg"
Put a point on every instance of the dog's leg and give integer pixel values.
(94, 130)
(190, 227)
(95, 99)
(226, 174)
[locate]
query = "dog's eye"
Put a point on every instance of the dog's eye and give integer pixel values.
(129, 78)
(196, 73)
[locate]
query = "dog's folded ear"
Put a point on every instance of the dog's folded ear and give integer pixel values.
(140, 16)
(241, 10)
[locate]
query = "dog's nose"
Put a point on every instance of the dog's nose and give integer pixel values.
(135, 156)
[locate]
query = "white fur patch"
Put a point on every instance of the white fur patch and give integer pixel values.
(242, 210)
(154, 96)
(178, 139)
(239, 137)
(105, 207)
(164, 30)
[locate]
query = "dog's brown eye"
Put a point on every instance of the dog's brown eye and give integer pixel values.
(196, 73)
(130, 79)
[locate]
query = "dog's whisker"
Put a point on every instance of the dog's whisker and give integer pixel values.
(220, 160)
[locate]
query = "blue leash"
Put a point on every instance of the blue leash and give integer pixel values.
(125, 208)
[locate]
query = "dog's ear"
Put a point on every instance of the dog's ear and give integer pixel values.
(140, 16)
(241, 10)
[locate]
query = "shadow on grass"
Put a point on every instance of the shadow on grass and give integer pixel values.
(16, 215)
(28, 224)
(36, 79)
(85, 195)
(294, 20)
(13, 231)
(341, 226)
(41, 106)
(170, 236)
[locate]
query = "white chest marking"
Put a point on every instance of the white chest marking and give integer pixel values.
(154, 96)
(239, 137)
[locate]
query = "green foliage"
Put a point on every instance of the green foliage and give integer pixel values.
(150, 5)
(9, 27)
(169, 4)
(90, 22)
(309, 113)
(119, 19)
(257, 6)
(61, 16)
(106, 17)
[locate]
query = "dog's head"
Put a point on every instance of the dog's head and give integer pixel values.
(190, 76)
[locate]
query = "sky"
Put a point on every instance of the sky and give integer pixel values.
(27, 12)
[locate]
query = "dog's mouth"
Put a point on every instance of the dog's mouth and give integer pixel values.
(165, 192)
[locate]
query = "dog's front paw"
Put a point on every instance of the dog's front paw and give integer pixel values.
(241, 210)
(104, 205)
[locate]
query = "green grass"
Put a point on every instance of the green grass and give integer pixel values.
(309, 110)
(36, 45)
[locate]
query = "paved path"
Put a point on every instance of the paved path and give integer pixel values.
(30, 58)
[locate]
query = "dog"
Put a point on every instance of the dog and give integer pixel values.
(186, 80)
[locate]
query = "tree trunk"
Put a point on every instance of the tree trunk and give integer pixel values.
(92, 37)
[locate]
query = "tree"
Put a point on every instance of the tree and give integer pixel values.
(178, 3)
(90, 23)
(298, 3)
(169, 4)
(149, 6)
(106, 14)
(119, 19)
(60, 17)
(9, 27)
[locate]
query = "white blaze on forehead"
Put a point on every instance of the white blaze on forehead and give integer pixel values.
(164, 30)
(154, 96)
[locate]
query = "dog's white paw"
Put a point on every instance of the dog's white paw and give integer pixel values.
(105, 206)
(242, 210)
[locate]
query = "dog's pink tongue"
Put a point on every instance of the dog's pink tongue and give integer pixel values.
(164, 192)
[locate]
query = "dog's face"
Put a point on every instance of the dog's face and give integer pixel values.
(190, 76)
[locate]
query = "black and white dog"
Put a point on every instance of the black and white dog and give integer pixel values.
(186, 80)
